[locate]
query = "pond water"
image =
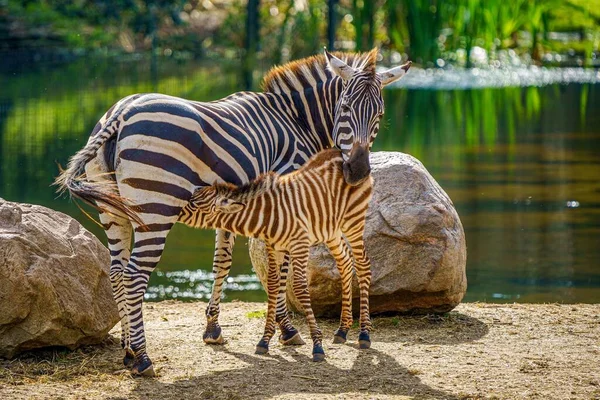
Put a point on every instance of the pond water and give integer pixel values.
(522, 165)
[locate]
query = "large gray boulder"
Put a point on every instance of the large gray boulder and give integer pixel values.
(54, 283)
(413, 237)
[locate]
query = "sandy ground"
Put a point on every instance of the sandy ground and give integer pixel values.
(476, 351)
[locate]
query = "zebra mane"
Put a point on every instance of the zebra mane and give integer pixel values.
(248, 191)
(269, 180)
(300, 74)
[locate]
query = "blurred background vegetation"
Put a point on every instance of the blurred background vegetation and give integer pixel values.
(430, 32)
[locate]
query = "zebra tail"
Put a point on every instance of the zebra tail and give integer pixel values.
(96, 194)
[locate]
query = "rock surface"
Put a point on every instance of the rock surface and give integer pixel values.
(54, 283)
(415, 241)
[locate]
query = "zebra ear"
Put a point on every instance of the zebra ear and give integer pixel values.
(228, 206)
(393, 74)
(339, 67)
(198, 193)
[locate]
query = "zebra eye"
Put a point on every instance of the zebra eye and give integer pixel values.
(346, 108)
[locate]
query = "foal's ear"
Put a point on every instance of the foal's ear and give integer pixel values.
(197, 194)
(228, 206)
(339, 67)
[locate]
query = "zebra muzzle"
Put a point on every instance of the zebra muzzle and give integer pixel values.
(357, 168)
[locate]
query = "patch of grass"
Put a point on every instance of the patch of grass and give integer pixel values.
(256, 314)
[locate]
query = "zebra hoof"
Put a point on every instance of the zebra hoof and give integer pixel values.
(262, 347)
(318, 353)
(291, 338)
(213, 336)
(129, 358)
(364, 341)
(339, 337)
(143, 367)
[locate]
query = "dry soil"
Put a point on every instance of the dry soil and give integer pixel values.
(477, 351)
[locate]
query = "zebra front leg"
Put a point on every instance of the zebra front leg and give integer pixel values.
(221, 265)
(118, 233)
(363, 273)
(147, 250)
(272, 289)
(340, 252)
(299, 261)
(289, 335)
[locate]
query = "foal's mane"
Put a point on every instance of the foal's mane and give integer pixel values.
(269, 180)
(249, 190)
(297, 75)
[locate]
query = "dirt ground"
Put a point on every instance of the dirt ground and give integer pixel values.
(477, 351)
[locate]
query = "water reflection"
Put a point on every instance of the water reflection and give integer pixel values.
(521, 165)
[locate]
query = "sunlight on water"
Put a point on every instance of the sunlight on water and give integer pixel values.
(478, 78)
(197, 285)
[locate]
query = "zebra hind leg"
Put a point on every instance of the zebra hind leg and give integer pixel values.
(363, 273)
(289, 335)
(118, 233)
(272, 290)
(341, 253)
(149, 243)
(221, 265)
(299, 261)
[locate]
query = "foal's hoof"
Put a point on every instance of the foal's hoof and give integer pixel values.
(262, 347)
(318, 353)
(339, 336)
(129, 358)
(143, 367)
(291, 338)
(213, 335)
(364, 341)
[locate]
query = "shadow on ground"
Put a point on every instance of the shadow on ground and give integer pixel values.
(372, 372)
(447, 329)
(289, 372)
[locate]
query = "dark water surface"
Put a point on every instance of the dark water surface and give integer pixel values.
(522, 166)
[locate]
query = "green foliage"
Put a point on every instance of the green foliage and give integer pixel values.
(92, 24)
(256, 314)
(427, 30)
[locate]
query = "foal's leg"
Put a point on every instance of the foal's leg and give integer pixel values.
(363, 273)
(289, 335)
(299, 261)
(118, 233)
(272, 289)
(340, 252)
(221, 265)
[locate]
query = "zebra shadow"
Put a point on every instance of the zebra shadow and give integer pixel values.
(372, 373)
(442, 329)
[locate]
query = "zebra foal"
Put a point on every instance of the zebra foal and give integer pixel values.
(290, 213)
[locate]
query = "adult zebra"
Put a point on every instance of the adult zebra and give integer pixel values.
(149, 152)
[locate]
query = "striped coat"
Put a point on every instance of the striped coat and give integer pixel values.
(291, 213)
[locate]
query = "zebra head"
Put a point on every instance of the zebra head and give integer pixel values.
(358, 111)
(206, 206)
